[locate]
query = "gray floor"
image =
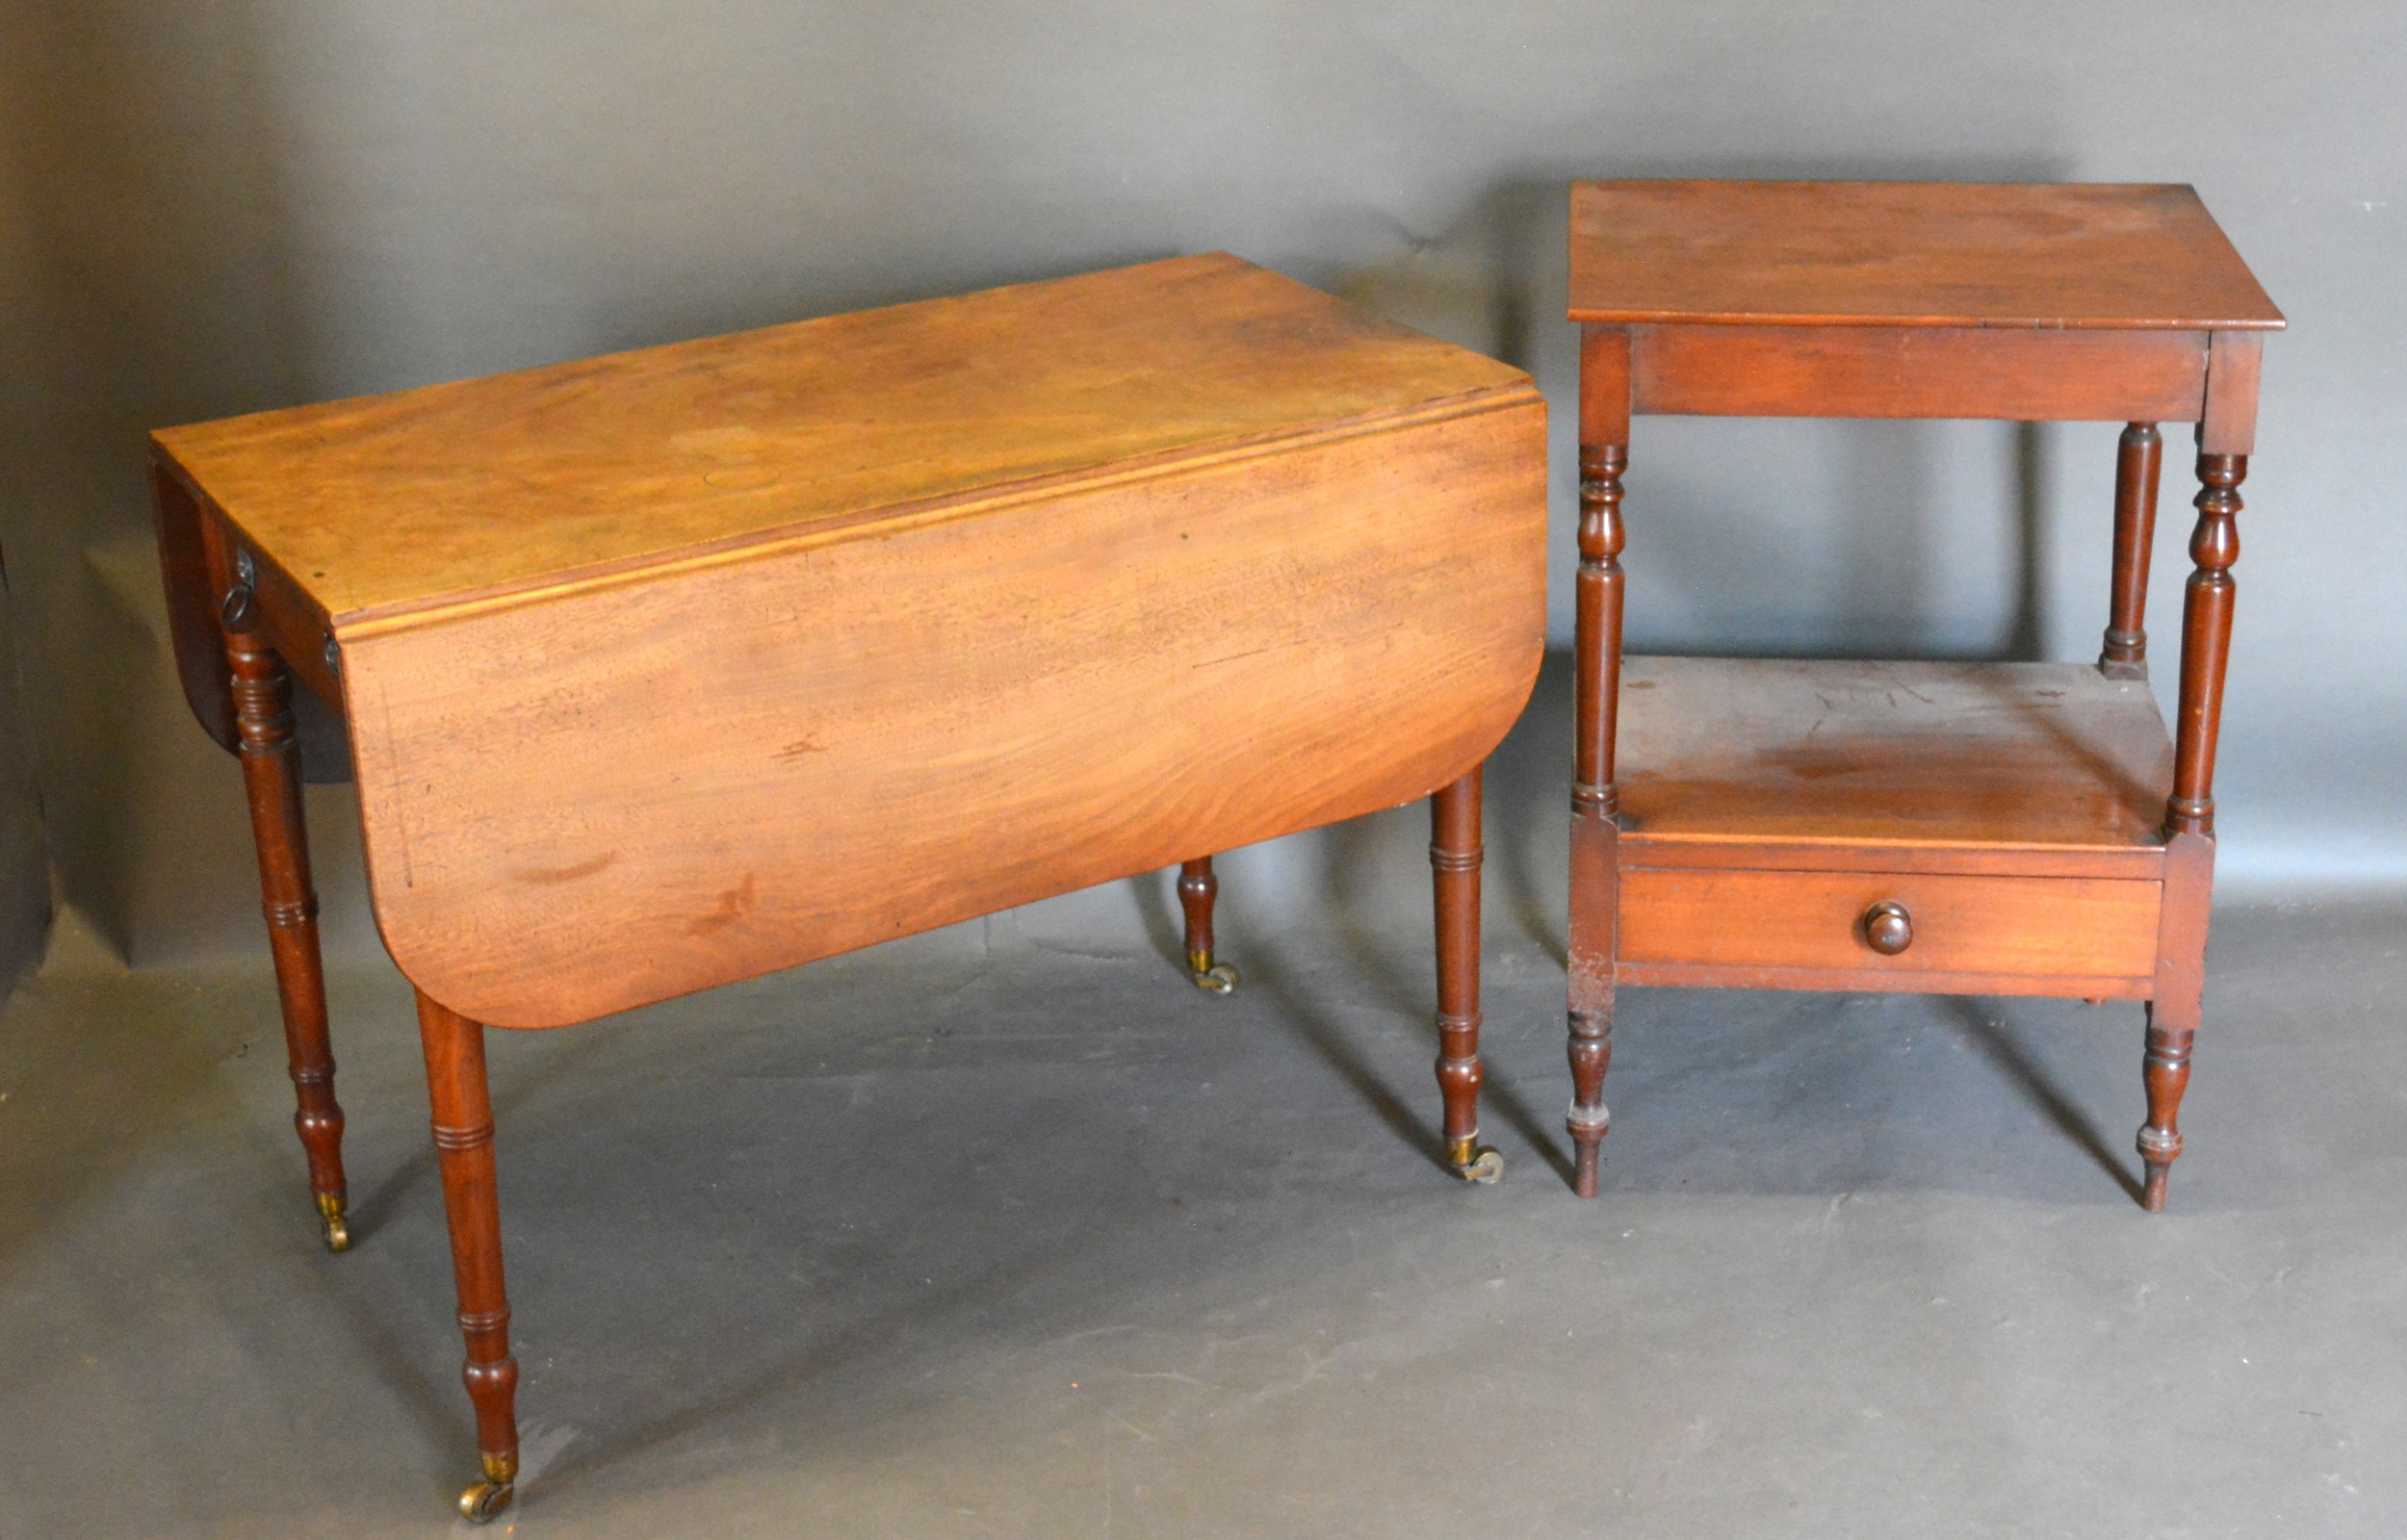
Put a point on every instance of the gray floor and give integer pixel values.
(1006, 1231)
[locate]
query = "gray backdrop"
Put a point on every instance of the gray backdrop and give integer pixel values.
(215, 208)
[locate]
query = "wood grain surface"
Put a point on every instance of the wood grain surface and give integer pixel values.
(2035, 757)
(1878, 981)
(1921, 372)
(1907, 253)
(390, 504)
(2068, 926)
(633, 790)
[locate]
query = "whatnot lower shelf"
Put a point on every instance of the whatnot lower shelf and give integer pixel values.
(2025, 769)
(2008, 813)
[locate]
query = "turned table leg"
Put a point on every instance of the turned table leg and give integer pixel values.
(2125, 654)
(1596, 667)
(263, 719)
(1198, 890)
(2189, 817)
(1455, 854)
(463, 1142)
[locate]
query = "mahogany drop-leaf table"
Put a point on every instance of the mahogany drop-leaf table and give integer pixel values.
(1963, 827)
(667, 669)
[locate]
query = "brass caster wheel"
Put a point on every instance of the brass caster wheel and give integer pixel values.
(490, 1496)
(1221, 978)
(1486, 1167)
(481, 1501)
(336, 1226)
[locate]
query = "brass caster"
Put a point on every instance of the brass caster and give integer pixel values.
(330, 1216)
(490, 1496)
(1221, 978)
(1484, 1167)
(481, 1501)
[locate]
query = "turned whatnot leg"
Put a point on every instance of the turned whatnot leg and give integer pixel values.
(1198, 891)
(271, 774)
(1595, 833)
(2189, 815)
(463, 1143)
(2125, 654)
(1455, 854)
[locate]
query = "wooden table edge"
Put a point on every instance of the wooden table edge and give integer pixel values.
(373, 620)
(1982, 322)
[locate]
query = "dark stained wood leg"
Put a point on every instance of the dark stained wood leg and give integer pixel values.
(1595, 833)
(2173, 1011)
(271, 774)
(1455, 854)
(463, 1143)
(2206, 643)
(2189, 818)
(2124, 656)
(1198, 890)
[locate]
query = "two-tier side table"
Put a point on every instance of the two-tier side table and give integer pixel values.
(670, 668)
(1950, 828)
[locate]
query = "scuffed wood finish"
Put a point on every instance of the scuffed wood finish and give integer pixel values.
(523, 482)
(1303, 636)
(2138, 460)
(2173, 1011)
(463, 1145)
(2086, 929)
(1993, 828)
(1906, 254)
(1594, 945)
(2032, 759)
(1891, 372)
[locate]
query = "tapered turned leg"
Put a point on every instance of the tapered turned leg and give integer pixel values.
(1595, 833)
(463, 1143)
(1589, 1121)
(2164, 1069)
(263, 718)
(2190, 816)
(2125, 654)
(1198, 890)
(1455, 854)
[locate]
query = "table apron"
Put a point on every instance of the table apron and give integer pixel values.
(2016, 374)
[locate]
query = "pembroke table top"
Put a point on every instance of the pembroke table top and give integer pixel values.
(423, 499)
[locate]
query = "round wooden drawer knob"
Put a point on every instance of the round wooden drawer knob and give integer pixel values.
(1888, 929)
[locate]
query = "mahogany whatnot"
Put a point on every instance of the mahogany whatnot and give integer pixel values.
(672, 668)
(1994, 829)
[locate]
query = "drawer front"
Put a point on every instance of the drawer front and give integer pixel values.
(1811, 929)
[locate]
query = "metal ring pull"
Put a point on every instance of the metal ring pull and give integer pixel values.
(238, 599)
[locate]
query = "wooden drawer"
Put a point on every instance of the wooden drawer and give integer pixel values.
(2062, 935)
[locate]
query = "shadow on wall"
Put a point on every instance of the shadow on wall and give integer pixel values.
(24, 856)
(1903, 539)
(174, 268)
(153, 262)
